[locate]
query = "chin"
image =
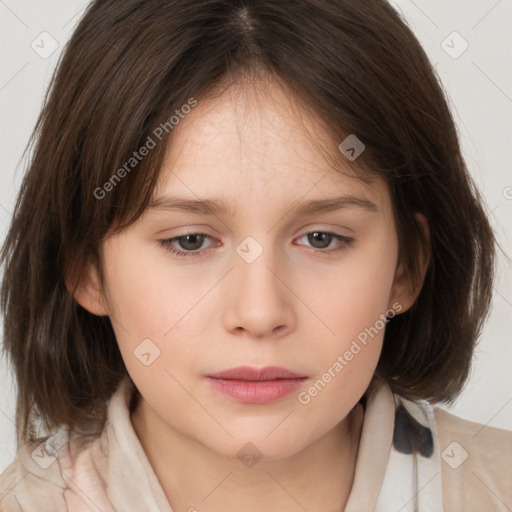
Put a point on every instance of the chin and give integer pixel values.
(253, 446)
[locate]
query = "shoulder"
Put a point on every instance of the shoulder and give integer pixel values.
(65, 471)
(33, 481)
(476, 464)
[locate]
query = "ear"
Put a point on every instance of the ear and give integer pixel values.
(404, 290)
(88, 291)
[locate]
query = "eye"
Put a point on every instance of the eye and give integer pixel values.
(321, 240)
(192, 243)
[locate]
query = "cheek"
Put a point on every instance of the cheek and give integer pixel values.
(350, 296)
(154, 311)
(146, 298)
(353, 304)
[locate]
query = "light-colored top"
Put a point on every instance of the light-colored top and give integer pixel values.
(411, 457)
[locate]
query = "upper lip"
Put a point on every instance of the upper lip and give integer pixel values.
(250, 373)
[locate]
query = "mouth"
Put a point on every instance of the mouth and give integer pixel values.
(256, 386)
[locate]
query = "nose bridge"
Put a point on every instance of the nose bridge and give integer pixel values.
(256, 260)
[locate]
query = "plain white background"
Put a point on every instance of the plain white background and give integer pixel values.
(478, 80)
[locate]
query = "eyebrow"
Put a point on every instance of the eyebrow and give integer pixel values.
(220, 207)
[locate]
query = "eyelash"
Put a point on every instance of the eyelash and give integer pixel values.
(167, 244)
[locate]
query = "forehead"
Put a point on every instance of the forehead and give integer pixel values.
(258, 143)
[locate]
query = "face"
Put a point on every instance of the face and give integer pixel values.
(258, 283)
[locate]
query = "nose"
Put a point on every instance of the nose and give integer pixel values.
(258, 299)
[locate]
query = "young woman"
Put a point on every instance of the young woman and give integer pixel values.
(246, 262)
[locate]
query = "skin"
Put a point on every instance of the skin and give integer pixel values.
(291, 307)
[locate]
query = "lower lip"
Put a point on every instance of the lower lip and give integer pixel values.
(256, 392)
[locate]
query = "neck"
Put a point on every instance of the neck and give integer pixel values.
(193, 477)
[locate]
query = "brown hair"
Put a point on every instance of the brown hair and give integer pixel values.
(130, 64)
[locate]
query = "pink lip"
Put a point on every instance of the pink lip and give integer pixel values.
(257, 386)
